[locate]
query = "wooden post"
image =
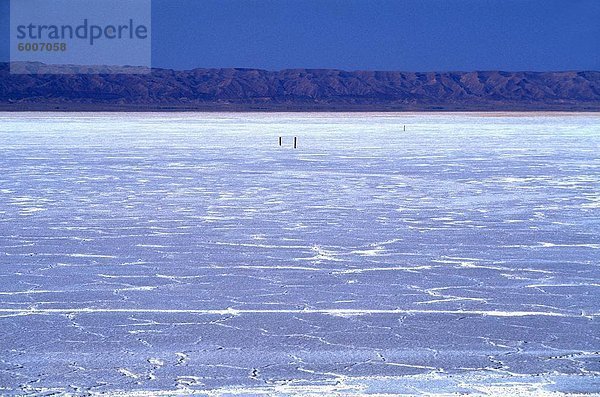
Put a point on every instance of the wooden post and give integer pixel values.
(279, 141)
(295, 142)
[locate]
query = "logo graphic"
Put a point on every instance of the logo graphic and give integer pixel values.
(80, 36)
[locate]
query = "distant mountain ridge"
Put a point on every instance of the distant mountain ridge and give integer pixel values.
(299, 90)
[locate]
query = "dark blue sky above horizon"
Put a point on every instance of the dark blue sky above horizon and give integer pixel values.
(408, 35)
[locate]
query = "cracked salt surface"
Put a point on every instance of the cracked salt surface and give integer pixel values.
(185, 254)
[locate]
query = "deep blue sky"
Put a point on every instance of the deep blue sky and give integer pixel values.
(410, 35)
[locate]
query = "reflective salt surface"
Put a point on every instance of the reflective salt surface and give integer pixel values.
(174, 254)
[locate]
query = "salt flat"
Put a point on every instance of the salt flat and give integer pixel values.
(190, 254)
